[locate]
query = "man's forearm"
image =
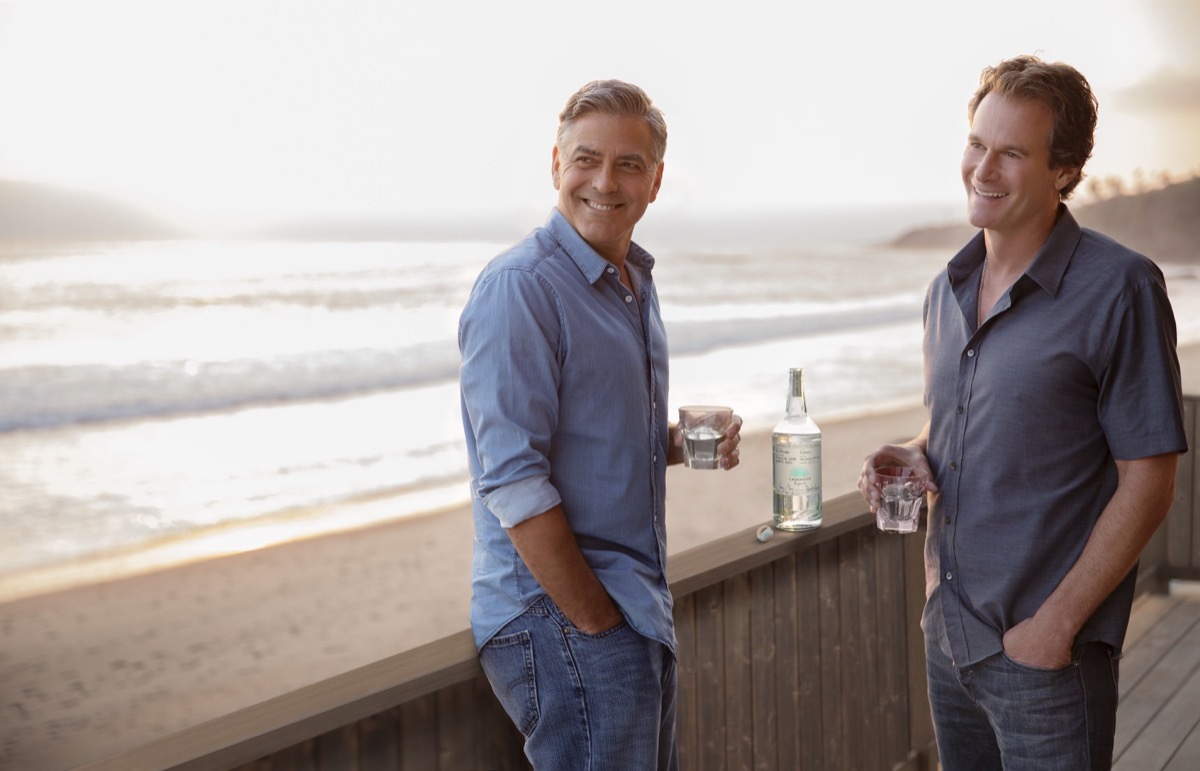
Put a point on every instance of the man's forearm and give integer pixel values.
(1144, 495)
(547, 545)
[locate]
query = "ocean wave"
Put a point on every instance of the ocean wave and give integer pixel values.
(50, 396)
(43, 397)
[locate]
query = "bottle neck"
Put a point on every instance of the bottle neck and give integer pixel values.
(797, 407)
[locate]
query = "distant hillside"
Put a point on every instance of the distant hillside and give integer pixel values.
(34, 211)
(1162, 224)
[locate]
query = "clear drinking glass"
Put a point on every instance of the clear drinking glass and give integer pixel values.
(901, 492)
(703, 427)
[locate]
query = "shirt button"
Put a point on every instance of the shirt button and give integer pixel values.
(953, 466)
(612, 270)
(949, 576)
(628, 298)
(960, 409)
(947, 520)
(970, 353)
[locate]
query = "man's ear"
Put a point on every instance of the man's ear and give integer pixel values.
(1066, 174)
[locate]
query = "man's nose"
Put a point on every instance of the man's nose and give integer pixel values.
(604, 180)
(988, 166)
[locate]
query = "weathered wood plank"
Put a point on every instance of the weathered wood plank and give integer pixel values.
(872, 649)
(338, 749)
(892, 644)
(1175, 619)
(764, 661)
(1187, 757)
(1171, 619)
(1180, 525)
(739, 693)
(833, 740)
(1160, 741)
(710, 678)
(1142, 714)
(379, 741)
(687, 725)
(813, 717)
(498, 743)
(920, 725)
(457, 711)
(791, 655)
(741, 552)
(1148, 610)
(851, 709)
(418, 734)
(1192, 483)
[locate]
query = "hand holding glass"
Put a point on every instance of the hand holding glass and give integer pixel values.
(901, 491)
(703, 427)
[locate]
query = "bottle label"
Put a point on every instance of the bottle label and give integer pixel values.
(798, 468)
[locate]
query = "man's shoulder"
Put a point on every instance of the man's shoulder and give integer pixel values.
(1105, 253)
(533, 264)
(530, 253)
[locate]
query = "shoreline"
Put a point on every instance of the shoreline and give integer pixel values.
(97, 668)
(318, 521)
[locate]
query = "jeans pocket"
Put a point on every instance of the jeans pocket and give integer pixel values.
(1031, 668)
(569, 626)
(610, 632)
(508, 663)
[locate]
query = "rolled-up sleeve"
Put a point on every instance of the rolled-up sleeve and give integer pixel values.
(510, 337)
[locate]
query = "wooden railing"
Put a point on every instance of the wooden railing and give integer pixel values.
(803, 652)
(1174, 551)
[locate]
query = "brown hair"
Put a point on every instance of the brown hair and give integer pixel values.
(616, 97)
(1061, 88)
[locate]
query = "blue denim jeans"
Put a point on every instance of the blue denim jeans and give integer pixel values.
(998, 715)
(583, 701)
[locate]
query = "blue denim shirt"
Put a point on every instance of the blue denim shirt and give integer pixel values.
(564, 400)
(1074, 368)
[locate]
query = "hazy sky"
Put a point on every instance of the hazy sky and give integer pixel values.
(223, 113)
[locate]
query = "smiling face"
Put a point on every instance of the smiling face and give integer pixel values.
(1012, 191)
(605, 174)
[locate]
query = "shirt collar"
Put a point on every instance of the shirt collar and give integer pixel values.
(590, 263)
(1048, 266)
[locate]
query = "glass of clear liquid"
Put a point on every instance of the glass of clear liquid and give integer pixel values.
(901, 492)
(703, 428)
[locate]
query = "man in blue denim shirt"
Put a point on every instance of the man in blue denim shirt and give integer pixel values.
(1055, 427)
(564, 403)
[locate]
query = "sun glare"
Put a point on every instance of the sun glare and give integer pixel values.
(224, 112)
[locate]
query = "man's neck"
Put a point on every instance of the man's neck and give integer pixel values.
(1010, 253)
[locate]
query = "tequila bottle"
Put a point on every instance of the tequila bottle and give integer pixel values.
(796, 452)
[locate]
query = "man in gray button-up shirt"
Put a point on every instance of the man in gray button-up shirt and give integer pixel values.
(1055, 426)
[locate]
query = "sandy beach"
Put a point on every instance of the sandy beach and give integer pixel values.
(88, 671)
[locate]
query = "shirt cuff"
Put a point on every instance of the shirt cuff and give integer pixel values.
(517, 502)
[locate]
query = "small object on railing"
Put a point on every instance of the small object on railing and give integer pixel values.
(764, 533)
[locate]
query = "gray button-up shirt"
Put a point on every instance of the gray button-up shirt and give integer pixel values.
(564, 399)
(1075, 367)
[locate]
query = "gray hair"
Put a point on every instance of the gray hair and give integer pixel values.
(616, 97)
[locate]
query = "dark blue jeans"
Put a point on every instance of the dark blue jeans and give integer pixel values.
(584, 701)
(998, 715)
